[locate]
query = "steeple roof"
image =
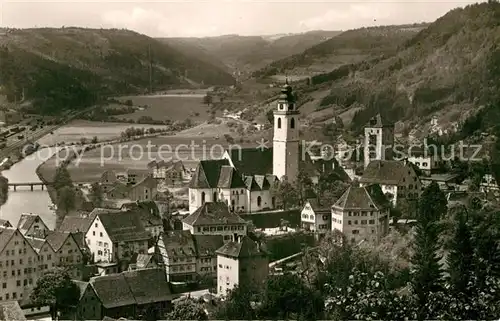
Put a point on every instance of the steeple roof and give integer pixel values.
(379, 122)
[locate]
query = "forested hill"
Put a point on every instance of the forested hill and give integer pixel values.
(348, 47)
(248, 53)
(451, 69)
(68, 67)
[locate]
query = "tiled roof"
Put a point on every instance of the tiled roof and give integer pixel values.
(319, 207)
(148, 211)
(252, 161)
(11, 311)
(113, 290)
(368, 197)
(123, 226)
(243, 249)
(36, 243)
(26, 221)
(385, 172)
(148, 285)
(132, 287)
(82, 286)
(207, 173)
(213, 213)
(177, 244)
(378, 122)
(147, 181)
(229, 178)
(76, 224)
(56, 239)
(5, 236)
(260, 182)
(206, 245)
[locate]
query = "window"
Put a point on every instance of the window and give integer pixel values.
(203, 197)
(100, 234)
(372, 221)
(95, 224)
(363, 222)
(18, 283)
(4, 285)
(93, 233)
(259, 201)
(279, 122)
(215, 196)
(349, 223)
(355, 231)
(292, 123)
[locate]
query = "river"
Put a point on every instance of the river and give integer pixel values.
(24, 200)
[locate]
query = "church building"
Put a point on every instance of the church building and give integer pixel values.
(243, 177)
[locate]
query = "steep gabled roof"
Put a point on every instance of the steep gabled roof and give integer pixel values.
(207, 173)
(364, 198)
(36, 243)
(213, 213)
(229, 178)
(148, 285)
(207, 245)
(112, 290)
(244, 249)
(177, 244)
(56, 239)
(123, 226)
(5, 235)
(251, 184)
(252, 161)
(385, 172)
(319, 207)
(147, 181)
(27, 220)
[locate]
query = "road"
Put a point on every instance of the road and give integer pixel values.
(35, 135)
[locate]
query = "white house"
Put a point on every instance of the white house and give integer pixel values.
(362, 214)
(316, 216)
(214, 218)
(116, 236)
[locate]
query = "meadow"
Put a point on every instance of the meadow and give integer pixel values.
(78, 129)
(172, 107)
(136, 155)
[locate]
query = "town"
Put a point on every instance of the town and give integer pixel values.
(332, 175)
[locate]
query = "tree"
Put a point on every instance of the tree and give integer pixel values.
(285, 194)
(66, 199)
(187, 309)
(330, 187)
(96, 194)
(207, 99)
(56, 289)
(426, 261)
(4, 190)
(62, 178)
(237, 305)
(461, 267)
(304, 184)
(95, 140)
(288, 297)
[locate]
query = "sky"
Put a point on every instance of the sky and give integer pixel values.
(204, 18)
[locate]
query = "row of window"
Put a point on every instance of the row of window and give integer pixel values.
(292, 123)
(220, 228)
(26, 282)
(208, 268)
(181, 259)
(363, 222)
(335, 220)
(182, 268)
(14, 296)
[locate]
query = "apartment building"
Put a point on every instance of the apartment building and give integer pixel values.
(18, 265)
(214, 218)
(362, 214)
(242, 262)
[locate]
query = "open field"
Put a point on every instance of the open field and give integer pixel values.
(135, 155)
(76, 130)
(169, 107)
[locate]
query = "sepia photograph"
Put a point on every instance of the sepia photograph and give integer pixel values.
(249, 160)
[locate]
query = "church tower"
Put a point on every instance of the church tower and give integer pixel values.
(286, 154)
(379, 140)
